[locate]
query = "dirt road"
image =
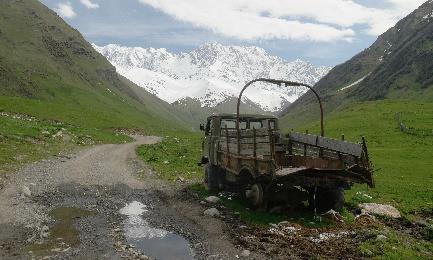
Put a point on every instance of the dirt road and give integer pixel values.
(103, 202)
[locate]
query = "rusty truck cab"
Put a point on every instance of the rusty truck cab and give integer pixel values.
(216, 124)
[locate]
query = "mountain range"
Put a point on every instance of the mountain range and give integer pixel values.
(212, 75)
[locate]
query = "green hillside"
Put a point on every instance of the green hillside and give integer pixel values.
(403, 160)
(398, 65)
(195, 114)
(362, 96)
(48, 71)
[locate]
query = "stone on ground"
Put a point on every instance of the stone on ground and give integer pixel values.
(45, 232)
(212, 199)
(381, 238)
(213, 212)
(365, 219)
(245, 253)
(26, 191)
(380, 210)
(333, 216)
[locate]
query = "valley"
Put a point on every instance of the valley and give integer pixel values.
(99, 144)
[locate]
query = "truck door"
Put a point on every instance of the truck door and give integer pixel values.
(207, 141)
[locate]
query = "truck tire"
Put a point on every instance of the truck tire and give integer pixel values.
(327, 199)
(255, 195)
(211, 178)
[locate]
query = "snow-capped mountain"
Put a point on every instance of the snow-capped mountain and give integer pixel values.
(212, 73)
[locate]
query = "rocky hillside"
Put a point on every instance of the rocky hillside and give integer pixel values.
(212, 74)
(48, 69)
(397, 66)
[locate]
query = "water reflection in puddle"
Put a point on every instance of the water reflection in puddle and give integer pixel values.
(154, 242)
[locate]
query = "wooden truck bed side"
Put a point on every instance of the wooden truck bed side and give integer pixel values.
(264, 152)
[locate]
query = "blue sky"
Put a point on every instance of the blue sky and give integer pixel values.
(324, 32)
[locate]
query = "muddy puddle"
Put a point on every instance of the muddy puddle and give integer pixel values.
(63, 235)
(153, 242)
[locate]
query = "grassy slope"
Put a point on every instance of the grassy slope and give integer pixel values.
(397, 65)
(403, 161)
(48, 70)
(24, 139)
(176, 156)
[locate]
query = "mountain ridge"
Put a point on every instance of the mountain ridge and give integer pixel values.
(212, 73)
(396, 66)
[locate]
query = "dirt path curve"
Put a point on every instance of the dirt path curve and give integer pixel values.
(97, 181)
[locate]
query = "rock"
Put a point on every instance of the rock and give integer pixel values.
(46, 133)
(66, 138)
(212, 199)
(143, 257)
(365, 219)
(367, 252)
(333, 216)
(45, 232)
(213, 212)
(380, 210)
(202, 202)
(180, 179)
(166, 162)
(58, 134)
(381, 238)
(26, 191)
(245, 253)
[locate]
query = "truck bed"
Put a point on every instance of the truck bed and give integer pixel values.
(296, 155)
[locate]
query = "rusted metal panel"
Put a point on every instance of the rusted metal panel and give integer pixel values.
(246, 140)
(287, 171)
(327, 143)
(247, 132)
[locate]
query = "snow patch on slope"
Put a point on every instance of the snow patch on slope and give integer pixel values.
(354, 83)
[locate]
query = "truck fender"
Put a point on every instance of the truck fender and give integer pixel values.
(245, 175)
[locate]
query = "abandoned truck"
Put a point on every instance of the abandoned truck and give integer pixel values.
(249, 153)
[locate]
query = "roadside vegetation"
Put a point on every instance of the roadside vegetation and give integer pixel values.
(402, 161)
(176, 156)
(403, 164)
(25, 139)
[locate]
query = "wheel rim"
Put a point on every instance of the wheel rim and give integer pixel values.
(255, 194)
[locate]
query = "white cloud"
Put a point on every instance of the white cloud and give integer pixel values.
(89, 4)
(65, 10)
(328, 20)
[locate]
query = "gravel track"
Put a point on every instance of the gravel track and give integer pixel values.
(100, 179)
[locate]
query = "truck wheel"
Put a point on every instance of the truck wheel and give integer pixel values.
(255, 195)
(327, 199)
(211, 178)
